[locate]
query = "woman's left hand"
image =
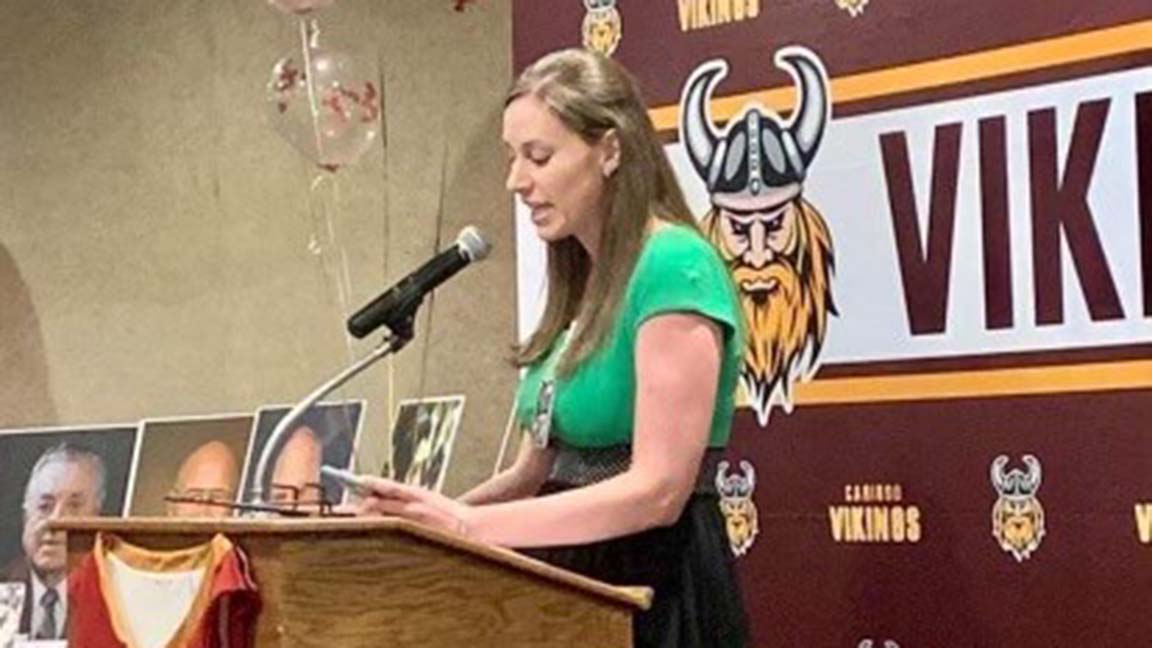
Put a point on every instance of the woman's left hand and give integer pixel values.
(389, 497)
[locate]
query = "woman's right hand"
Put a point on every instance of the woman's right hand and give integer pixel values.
(389, 497)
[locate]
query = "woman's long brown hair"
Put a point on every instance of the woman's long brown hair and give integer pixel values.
(592, 95)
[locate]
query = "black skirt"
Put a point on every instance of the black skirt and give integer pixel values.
(690, 568)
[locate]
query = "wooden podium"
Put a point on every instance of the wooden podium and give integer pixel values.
(388, 582)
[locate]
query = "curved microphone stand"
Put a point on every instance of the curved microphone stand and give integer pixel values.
(390, 344)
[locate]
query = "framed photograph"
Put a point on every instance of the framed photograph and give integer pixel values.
(423, 434)
(327, 434)
(198, 459)
(52, 473)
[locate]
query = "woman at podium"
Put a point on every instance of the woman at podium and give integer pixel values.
(627, 397)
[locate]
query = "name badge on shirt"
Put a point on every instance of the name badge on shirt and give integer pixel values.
(541, 429)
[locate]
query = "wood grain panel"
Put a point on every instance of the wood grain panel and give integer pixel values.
(374, 583)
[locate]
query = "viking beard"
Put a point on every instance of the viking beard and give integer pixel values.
(602, 36)
(1019, 531)
(777, 319)
(1018, 526)
(602, 33)
(740, 521)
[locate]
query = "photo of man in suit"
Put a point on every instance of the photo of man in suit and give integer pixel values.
(66, 481)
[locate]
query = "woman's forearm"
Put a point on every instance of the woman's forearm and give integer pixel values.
(522, 479)
(628, 503)
(503, 487)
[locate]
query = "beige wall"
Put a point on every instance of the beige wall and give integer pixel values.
(154, 230)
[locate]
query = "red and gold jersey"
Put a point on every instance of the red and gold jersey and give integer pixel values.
(124, 596)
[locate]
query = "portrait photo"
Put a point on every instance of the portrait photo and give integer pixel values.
(423, 434)
(326, 434)
(198, 460)
(46, 475)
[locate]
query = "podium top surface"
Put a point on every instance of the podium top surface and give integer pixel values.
(638, 598)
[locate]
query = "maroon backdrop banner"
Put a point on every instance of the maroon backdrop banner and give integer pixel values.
(958, 450)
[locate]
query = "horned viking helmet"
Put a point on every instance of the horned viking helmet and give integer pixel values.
(735, 485)
(1016, 484)
(758, 151)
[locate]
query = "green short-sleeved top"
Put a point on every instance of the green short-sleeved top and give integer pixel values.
(678, 272)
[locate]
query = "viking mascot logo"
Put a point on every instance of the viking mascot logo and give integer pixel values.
(602, 28)
(1017, 516)
(776, 243)
(740, 516)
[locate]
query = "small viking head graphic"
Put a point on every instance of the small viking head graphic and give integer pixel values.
(1017, 516)
(602, 28)
(740, 517)
(776, 243)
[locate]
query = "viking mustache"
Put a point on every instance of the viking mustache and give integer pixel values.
(780, 274)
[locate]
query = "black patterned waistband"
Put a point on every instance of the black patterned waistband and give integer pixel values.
(575, 466)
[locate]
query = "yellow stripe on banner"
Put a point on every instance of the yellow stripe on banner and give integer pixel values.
(1052, 52)
(1102, 376)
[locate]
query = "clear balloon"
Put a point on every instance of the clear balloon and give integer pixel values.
(300, 7)
(325, 105)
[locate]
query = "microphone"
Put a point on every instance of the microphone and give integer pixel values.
(397, 304)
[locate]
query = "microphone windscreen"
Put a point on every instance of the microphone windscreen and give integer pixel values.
(473, 244)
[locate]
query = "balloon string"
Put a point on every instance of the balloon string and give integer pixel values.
(324, 193)
(390, 447)
(308, 33)
(333, 260)
(344, 291)
(332, 255)
(344, 280)
(390, 367)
